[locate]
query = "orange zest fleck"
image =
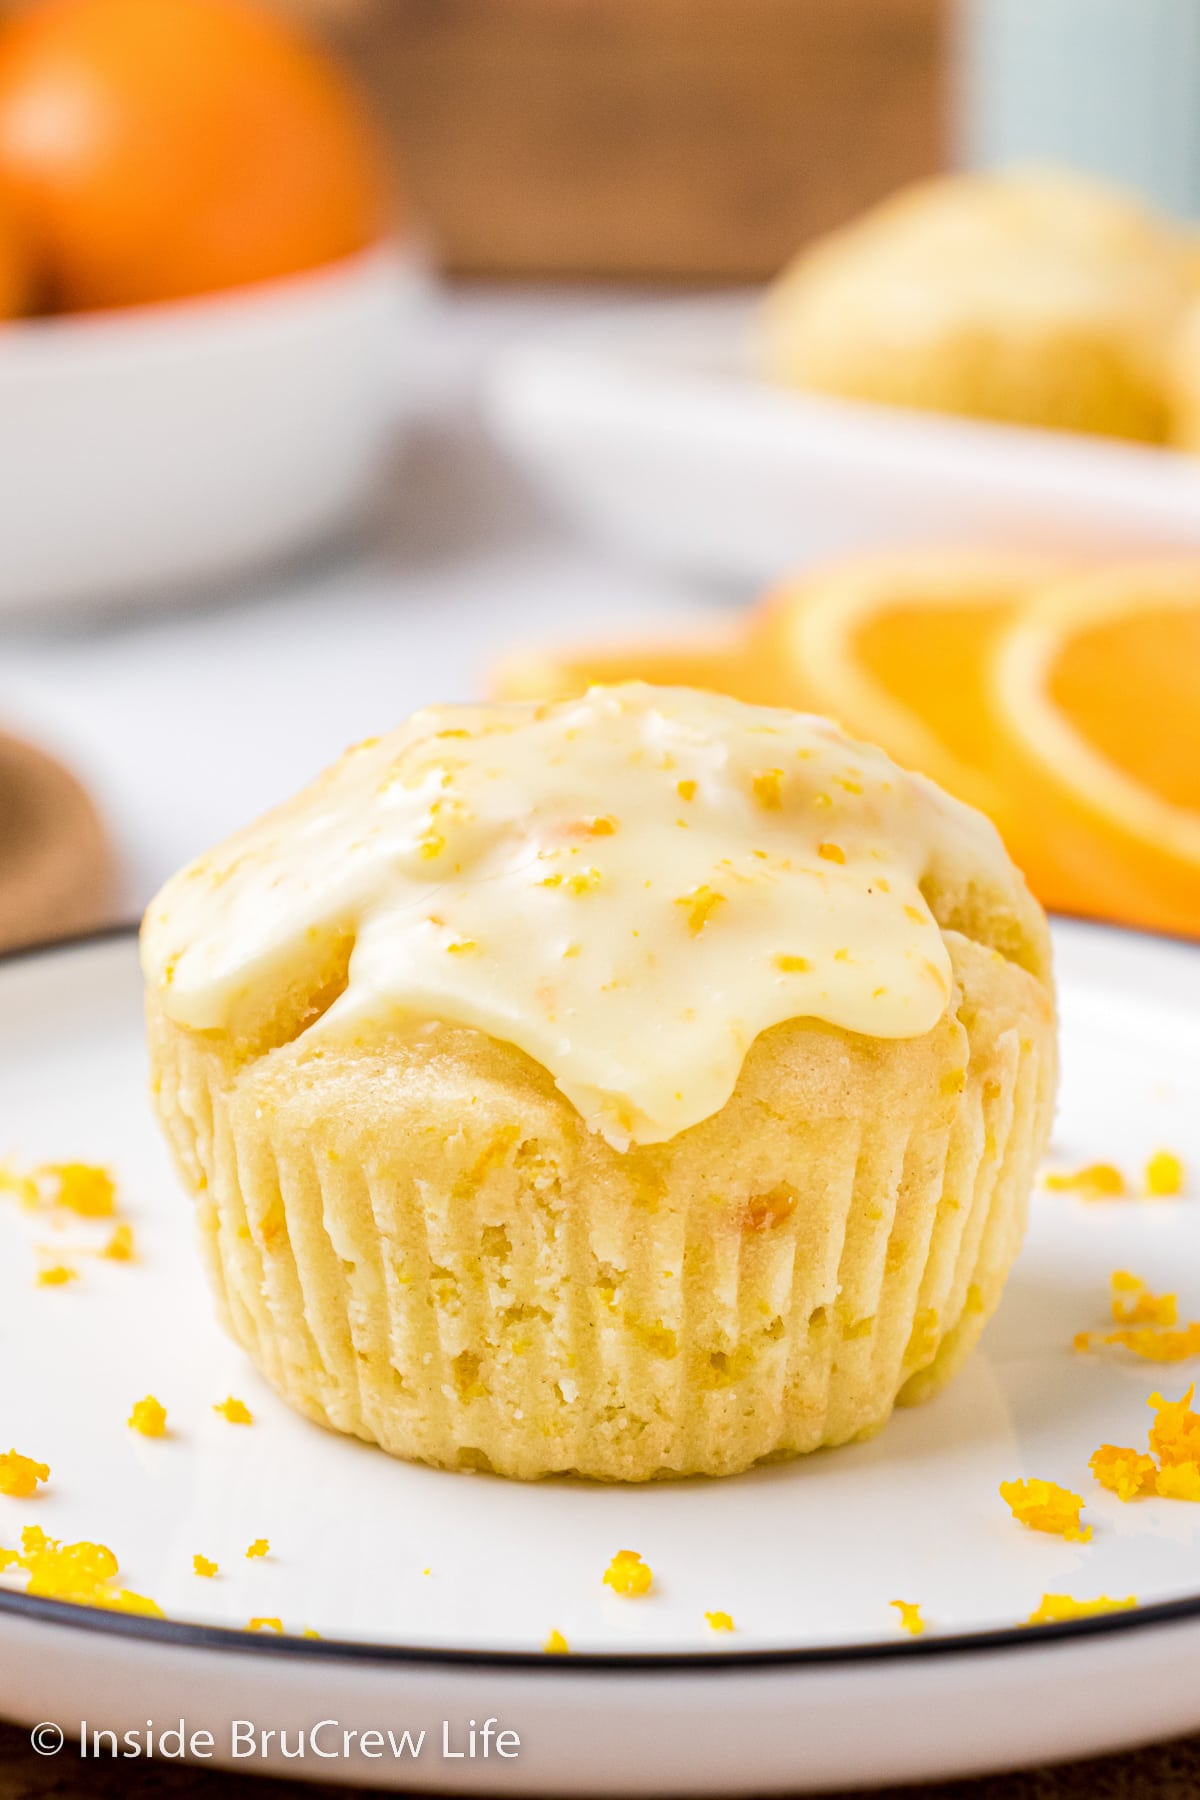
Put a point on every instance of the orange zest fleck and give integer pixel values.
(82, 1573)
(700, 905)
(203, 1566)
(1164, 1175)
(1148, 1341)
(1174, 1439)
(719, 1621)
(56, 1275)
(20, 1475)
(1178, 1481)
(149, 1416)
(628, 1575)
(1126, 1473)
(1147, 1324)
(556, 1645)
(768, 789)
(81, 1188)
(1134, 1304)
(23, 1187)
(120, 1246)
(236, 1411)
(1044, 1506)
(263, 1624)
(258, 1549)
(1175, 1434)
(831, 853)
(910, 1616)
(1055, 1608)
(1098, 1181)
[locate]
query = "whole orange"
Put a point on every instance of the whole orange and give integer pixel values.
(157, 148)
(15, 277)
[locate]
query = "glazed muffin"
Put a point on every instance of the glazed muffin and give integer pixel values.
(1036, 297)
(643, 1084)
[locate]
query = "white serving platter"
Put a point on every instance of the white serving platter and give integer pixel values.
(817, 1687)
(652, 429)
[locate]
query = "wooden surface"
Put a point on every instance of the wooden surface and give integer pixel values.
(1166, 1772)
(650, 138)
(56, 865)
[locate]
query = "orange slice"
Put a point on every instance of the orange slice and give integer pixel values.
(899, 650)
(721, 662)
(1096, 700)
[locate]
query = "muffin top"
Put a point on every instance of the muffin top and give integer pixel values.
(1009, 250)
(630, 886)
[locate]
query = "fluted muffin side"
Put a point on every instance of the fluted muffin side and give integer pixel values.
(419, 1242)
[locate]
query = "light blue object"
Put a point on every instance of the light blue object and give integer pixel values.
(1112, 86)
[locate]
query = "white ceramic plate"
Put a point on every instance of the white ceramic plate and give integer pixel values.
(149, 450)
(653, 431)
(817, 1687)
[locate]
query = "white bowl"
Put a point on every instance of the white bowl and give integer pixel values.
(162, 447)
(653, 431)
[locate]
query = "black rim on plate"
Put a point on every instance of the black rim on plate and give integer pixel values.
(183, 1635)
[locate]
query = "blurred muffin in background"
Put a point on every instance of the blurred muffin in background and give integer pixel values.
(1037, 297)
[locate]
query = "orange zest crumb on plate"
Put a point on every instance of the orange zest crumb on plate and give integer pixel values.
(1055, 1608)
(1174, 1440)
(1164, 1175)
(1098, 1181)
(82, 1573)
(1044, 1506)
(628, 1575)
(149, 1416)
(203, 1565)
(910, 1616)
(719, 1621)
(266, 1625)
(57, 1275)
(120, 1246)
(1134, 1304)
(1125, 1473)
(1178, 1481)
(1147, 1324)
(22, 1187)
(82, 1188)
(20, 1475)
(556, 1645)
(236, 1411)
(1150, 1343)
(258, 1549)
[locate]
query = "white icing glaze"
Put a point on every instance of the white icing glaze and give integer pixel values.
(630, 886)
